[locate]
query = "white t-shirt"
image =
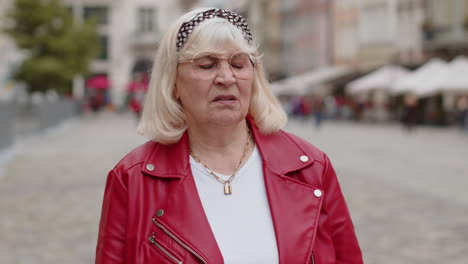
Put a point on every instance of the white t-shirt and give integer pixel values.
(241, 222)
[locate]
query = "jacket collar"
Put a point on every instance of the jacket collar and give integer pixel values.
(279, 152)
(162, 159)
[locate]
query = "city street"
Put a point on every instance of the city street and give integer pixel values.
(406, 191)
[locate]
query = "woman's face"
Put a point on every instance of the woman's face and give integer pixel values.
(215, 88)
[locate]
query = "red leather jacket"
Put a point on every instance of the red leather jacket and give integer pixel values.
(152, 213)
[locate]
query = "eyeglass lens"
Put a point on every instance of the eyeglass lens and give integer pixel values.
(206, 66)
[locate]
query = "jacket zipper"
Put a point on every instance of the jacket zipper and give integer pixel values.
(179, 241)
(165, 251)
(313, 258)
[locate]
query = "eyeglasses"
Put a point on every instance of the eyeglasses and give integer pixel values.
(206, 65)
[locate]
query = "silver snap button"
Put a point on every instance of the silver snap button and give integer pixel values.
(318, 193)
(150, 167)
(160, 212)
(304, 158)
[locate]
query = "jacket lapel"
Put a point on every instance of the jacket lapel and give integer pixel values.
(183, 211)
(294, 208)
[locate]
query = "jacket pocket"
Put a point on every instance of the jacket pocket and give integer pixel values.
(178, 241)
(164, 250)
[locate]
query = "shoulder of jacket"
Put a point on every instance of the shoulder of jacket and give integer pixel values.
(308, 148)
(136, 156)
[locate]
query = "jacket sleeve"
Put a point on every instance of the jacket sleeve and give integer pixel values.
(339, 220)
(112, 228)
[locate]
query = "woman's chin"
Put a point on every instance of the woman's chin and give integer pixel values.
(227, 119)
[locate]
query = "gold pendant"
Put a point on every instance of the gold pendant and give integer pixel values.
(227, 188)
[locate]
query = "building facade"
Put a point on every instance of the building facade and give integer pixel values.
(129, 33)
(445, 30)
(305, 39)
(264, 20)
(345, 32)
(409, 37)
(370, 33)
(377, 32)
(293, 35)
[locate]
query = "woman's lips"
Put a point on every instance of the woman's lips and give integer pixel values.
(224, 98)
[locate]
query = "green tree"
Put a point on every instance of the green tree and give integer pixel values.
(58, 48)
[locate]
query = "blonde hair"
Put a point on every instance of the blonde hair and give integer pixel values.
(163, 118)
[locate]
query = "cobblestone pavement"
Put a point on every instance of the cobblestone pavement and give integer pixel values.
(51, 190)
(406, 192)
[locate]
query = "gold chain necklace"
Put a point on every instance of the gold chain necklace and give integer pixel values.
(227, 183)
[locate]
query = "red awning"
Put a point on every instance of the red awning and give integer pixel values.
(99, 82)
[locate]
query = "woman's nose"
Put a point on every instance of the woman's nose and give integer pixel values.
(225, 75)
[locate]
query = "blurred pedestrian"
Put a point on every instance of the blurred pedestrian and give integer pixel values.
(220, 182)
(97, 88)
(330, 107)
(318, 110)
(410, 112)
(96, 99)
(462, 109)
(136, 91)
(296, 106)
(301, 107)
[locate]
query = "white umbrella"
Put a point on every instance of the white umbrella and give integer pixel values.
(382, 78)
(300, 84)
(453, 78)
(323, 75)
(290, 86)
(457, 78)
(421, 79)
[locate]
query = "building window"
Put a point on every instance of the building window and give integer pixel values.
(99, 12)
(347, 42)
(146, 19)
(103, 52)
(375, 24)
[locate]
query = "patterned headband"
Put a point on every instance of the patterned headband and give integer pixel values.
(235, 19)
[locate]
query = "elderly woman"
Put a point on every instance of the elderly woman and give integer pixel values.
(220, 182)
